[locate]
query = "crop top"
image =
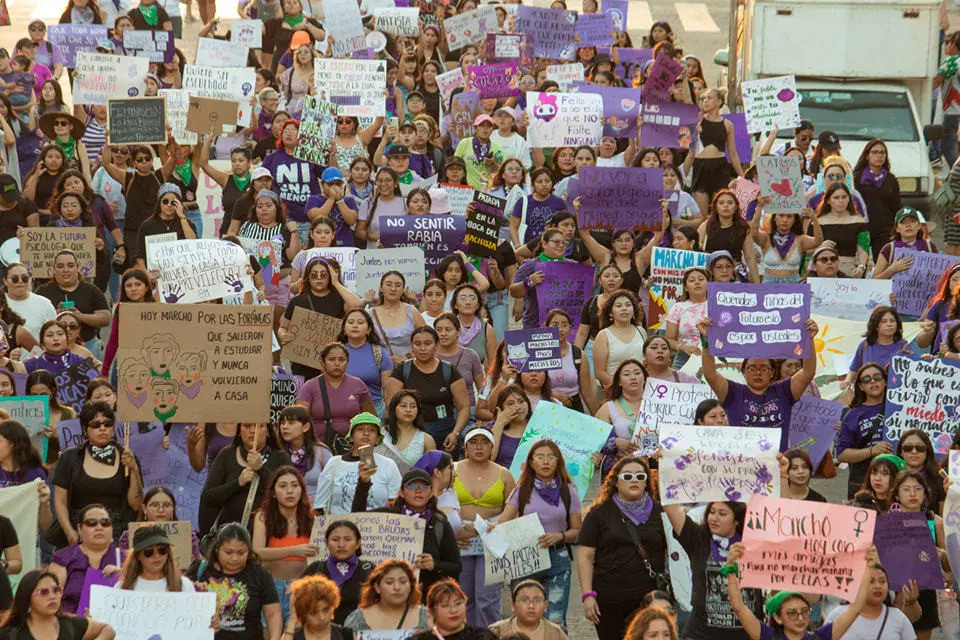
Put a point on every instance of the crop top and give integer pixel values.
(713, 133)
(493, 498)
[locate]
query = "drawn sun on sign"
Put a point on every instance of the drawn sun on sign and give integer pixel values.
(821, 343)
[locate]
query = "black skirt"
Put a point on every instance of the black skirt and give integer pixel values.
(710, 175)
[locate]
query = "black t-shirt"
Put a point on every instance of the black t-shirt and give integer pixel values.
(432, 387)
(71, 628)
(140, 24)
(264, 147)
(277, 39)
(505, 257)
(469, 632)
(154, 226)
(10, 219)
(813, 496)
(8, 538)
(240, 211)
(86, 298)
(240, 600)
(141, 194)
(330, 304)
(712, 617)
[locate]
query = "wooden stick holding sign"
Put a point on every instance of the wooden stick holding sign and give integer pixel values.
(254, 483)
(126, 445)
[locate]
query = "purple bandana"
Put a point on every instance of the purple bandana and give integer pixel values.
(426, 514)
(783, 242)
(719, 546)
(638, 511)
(63, 222)
(549, 492)
(298, 458)
(467, 334)
(915, 244)
(342, 570)
(869, 177)
(480, 151)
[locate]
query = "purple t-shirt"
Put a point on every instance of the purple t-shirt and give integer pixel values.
(553, 518)
(531, 308)
(538, 214)
(507, 451)
(343, 234)
(17, 478)
(821, 633)
(771, 410)
(76, 563)
(295, 179)
(939, 314)
(344, 403)
(877, 353)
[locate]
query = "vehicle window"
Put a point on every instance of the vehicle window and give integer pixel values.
(860, 115)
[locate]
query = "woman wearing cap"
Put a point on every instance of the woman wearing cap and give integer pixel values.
(152, 567)
(825, 262)
(234, 183)
(726, 230)
(861, 429)
(276, 241)
(481, 153)
(65, 130)
(336, 204)
(847, 229)
(513, 144)
(386, 201)
(880, 190)
(783, 246)
(908, 233)
(169, 216)
(337, 487)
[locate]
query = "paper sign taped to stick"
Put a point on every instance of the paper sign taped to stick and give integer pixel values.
(386, 536)
(758, 320)
(139, 615)
(311, 332)
(39, 247)
(524, 556)
(199, 270)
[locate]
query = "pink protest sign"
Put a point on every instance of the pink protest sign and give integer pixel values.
(810, 547)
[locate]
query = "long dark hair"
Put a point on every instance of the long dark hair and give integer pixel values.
(88, 193)
(713, 220)
(859, 395)
(606, 319)
(616, 389)
(298, 413)
(862, 162)
(943, 293)
(47, 379)
(528, 475)
(276, 522)
(390, 420)
(372, 336)
(65, 17)
(739, 516)
(609, 486)
(17, 618)
(138, 274)
(930, 466)
(154, 491)
(228, 533)
(824, 207)
(25, 454)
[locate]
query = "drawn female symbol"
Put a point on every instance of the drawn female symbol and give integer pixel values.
(857, 518)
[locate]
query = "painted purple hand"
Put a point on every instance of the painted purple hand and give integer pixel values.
(725, 318)
(732, 494)
(174, 294)
(235, 283)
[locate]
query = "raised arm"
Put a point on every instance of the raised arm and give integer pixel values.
(802, 379)
(708, 365)
(747, 619)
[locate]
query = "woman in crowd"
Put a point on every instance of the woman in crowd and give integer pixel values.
(534, 210)
(169, 216)
(783, 246)
(528, 600)
(880, 609)
(626, 398)
(650, 623)
(404, 427)
(881, 193)
(389, 600)
(877, 488)
(93, 548)
(918, 453)
(657, 361)
(38, 611)
(476, 333)
(908, 233)
(56, 356)
(447, 604)
(690, 309)
(159, 505)
(799, 471)
(572, 384)
(385, 201)
(296, 438)
(882, 341)
(368, 359)
(19, 298)
(276, 240)
(610, 280)
(940, 308)
(20, 464)
(456, 270)
(513, 411)
(861, 430)
(726, 230)
(393, 317)
(205, 441)
(847, 229)
(450, 349)
(151, 565)
(621, 337)
(343, 565)
(314, 600)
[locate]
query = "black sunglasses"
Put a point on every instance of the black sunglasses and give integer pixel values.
(169, 201)
(101, 424)
(23, 279)
(92, 522)
(161, 550)
(61, 123)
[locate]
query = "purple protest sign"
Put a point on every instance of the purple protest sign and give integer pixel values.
(364, 54)
(566, 285)
(463, 110)
(813, 424)
(498, 80)
(595, 29)
(72, 383)
(438, 235)
(155, 45)
(740, 136)
(95, 577)
(914, 287)
(620, 198)
(758, 320)
(185, 483)
(554, 31)
(944, 331)
(907, 550)
(628, 61)
(617, 9)
(145, 440)
(669, 124)
(620, 108)
(76, 37)
(534, 349)
(663, 74)
(510, 47)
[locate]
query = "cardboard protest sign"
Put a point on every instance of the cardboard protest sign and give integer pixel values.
(397, 21)
(564, 119)
(619, 198)
(907, 550)
(178, 105)
(565, 74)
(76, 37)
(341, 19)
(386, 536)
(72, 383)
(667, 267)
(318, 126)
(578, 435)
(449, 81)
(771, 103)
(355, 86)
(438, 235)
(199, 270)
(565, 286)
(311, 332)
(701, 464)
(221, 54)
(507, 47)
(138, 615)
(233, 84)
(180, 534)
(39, 247)
(646, 433)
(283, 393)
(137, 120)
(813, 426)
(534, 349)
(248, 32)
(663, 74)
(674, 402)
(194, 363)
(483, 224)
(758, 321)
(553, 30)
(211, 117)
(470, 26)
(813, 547)
(373, 263)
(780, 178)
(914, 287)
(498, 80)
(620, 108)
(595, 29)
(155, 46)
(848, 298)
(524, 555)
(746, 192)
(101, 76)
(921, 394)
(669, 124)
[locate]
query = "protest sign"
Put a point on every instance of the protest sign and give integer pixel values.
(76, 37)
(346, 257)
(386, 536)
(565, 286)
(848, 298)
(283, 393)
(701, 464)
(907, 550)
(464, 108)
(221, 54)
(20, 505)
(674, 402)
(669, 124)
(341, 19)
(758, 321)
(233, 84)
(138, 615)
(667, 267)
(460, 196)
(199, 270)
(534, 349)
(355, 86)
(524, 555)
(438, 235)
(137, 120)
(470, 26)
(397, 21)
(646, 433)
(660, 79)
(813, 547)
(211, 117)
(449, 81)
(483, 224)
(373, 263)
(781, 179)
(498, 80)
(185, 483)
(195, 363)
(746, 192)
(33, 412)
(741, 139)
(813, 426)
(564, 119)
(155, 46)
(507, 47)
(72, 383)
(595, 29)
(553, 31)
(311, 331)
(177, 106)
(145, 440)
(771, 103)
(629, 61)
(914, 287)
(618, 10)
(248, 32)
(577, 435)
(951, 524)
(921, 394)
(620, 108)
(565, 74)
(39, 247)
(619, 198)
(101, 76)
(157, 238)
(181, 537)
(318, 126)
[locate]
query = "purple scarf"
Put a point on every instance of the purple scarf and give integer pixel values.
(869, 177)
(469, 333)
(480, 151)
(342, 570)
(916, 245)
(57, 363)
(549, 492)
(719, 546)
(298, 458)
(63, 222)
(426, 514)
(638, 511)
(782, 242)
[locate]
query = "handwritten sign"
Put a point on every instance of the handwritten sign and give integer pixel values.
(907, 550)
(318, 126)
(221, 54)
(661, 77)
(373, 263)
(177, 105)
(758, 321)
(311, 332)
(449, 81)
(235, 84)
(618, 198)
(553, 30)
(483, 224)
(76, 37)
(702, 464)
(534, 349)
(565, 74)
(667, 267)
(524, 555)
(470, 26)
(386, 536)
(438, 235)
(781, 179)
(497, 80)
(155, 46)
(137, 120)
(507, 47)
(101, 76)
(39, 247)
(72, 383)
(138, 615)
(914, 287)
(848, 298)
(284, 389)
(355, 86)
(566, 286)
(811, 547)
(199, 270)
(564, 119)
(398, 21)
(921, 394)
(248, 32)
(33, 412)
(595, 29)
(669, 124)
(674, 402)
(813, 426)
(180, 533)
(771, 103)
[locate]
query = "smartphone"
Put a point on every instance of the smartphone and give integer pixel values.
(366, 456)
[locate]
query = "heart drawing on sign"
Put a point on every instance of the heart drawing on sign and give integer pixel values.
(782, 188)
(627, 104)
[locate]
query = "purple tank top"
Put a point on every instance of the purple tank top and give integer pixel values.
(508, 449)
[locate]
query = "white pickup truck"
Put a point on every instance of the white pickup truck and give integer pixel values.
(864, 69)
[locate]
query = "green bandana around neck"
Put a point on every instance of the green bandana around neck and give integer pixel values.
(293, 21)
(150, 15)
(185, 171)
(241, 183)
(69, 147)
(545, 258)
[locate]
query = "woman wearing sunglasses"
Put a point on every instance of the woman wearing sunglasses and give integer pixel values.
(917, 451)
(152, 567)
(861, 429)
(140, 186)
(94, 548)
(32, 308)
(37, 612)
(169, 216)
(65, 130)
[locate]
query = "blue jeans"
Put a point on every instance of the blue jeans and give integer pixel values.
(483, 602)
(95, 347)
(498, 305)
(439, 429)
(196, 217)
(556, 581)
(680, 359)
(948, 144)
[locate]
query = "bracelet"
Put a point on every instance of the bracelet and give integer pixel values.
(730, 568)
(588, 594)
(469, 266)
